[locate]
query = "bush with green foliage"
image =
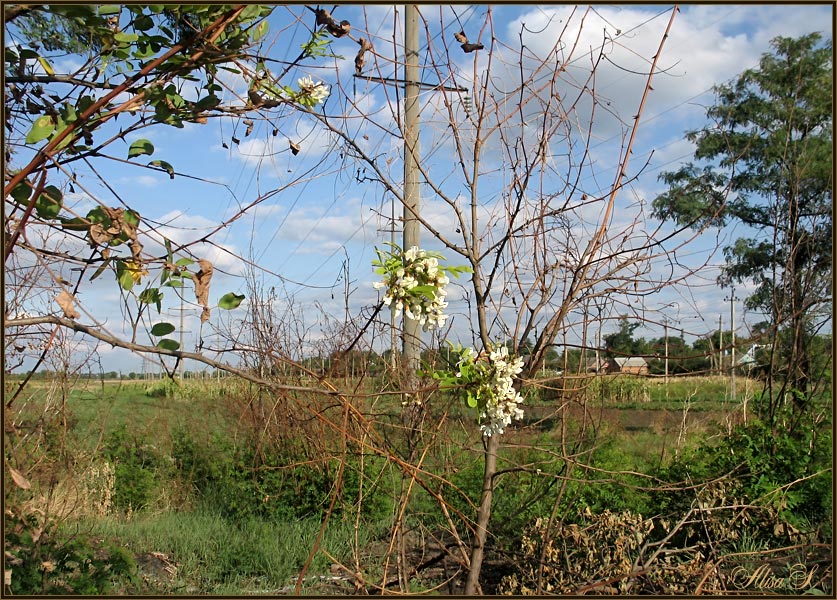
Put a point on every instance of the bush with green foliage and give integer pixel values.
(241, 482)
(139, 469)
(787, 468)
(41, 559)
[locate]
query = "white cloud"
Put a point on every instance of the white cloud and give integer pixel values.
(322, 229)
(142, 180)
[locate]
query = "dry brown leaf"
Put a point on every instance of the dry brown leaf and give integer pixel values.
(201, 280)
(101, 235)
(98, 235)
(136, 248)
(129, 229)
(360, 60)
(19, 479)
(65, 301)
(323, 17)
(116, 221)
(205, 314)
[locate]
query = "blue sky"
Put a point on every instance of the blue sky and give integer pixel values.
(314, 227)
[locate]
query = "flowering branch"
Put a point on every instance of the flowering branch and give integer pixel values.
(488, 381)
(415, 283)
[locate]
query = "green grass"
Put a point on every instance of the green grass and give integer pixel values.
(215, 556)
(636, 425)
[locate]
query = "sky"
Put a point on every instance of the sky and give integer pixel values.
(312, 227)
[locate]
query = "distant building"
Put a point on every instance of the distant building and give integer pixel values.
(595, 365)
(634, 365)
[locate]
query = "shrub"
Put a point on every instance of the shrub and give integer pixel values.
(788, 469)
(38, 560)
(138, 468)
(242, 483)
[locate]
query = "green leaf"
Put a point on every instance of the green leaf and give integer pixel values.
(48, 204)
(175, 283)
(84, 103)
(124, 277)
(168, 344)
(97, 215)
(109, 9)
(125, 38)
(140, 147)
(144, 51)
(230, 301)
(161, 329)
(42, 128)
(207, 102)
(59, 129)
(21, 192)
(68, 113)
(143, 23)
(161, 164)
(74, 224)
(152, 296)
(260, 31)
(184, 262)
(131, 217)
(427, 291)
(251, 12)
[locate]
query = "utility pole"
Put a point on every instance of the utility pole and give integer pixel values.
(180, 364)
(720, 345)
(665, 326)
(732, 300)
(393, 350)
(411, 172)
(411, 415)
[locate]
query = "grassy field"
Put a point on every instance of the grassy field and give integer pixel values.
(184, 476)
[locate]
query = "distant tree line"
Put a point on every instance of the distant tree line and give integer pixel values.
(708, 354)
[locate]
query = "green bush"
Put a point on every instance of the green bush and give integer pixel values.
(242, 483)
(139, 469)
(41, 560)
(788, 468)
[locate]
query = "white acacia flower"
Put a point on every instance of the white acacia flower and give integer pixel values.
(316, 91)
(413, 268)
(502, 405)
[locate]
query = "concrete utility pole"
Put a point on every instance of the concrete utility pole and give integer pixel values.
(182, 310)
(732, 300)
(665, 325)
(411, 173)
(393, 350)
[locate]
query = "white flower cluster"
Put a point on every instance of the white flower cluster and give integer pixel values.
(417, 269)
(318, 92)
(503, 401)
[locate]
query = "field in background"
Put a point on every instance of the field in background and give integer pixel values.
(170, 472)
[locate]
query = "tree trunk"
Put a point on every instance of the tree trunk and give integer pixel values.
(483, 516)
